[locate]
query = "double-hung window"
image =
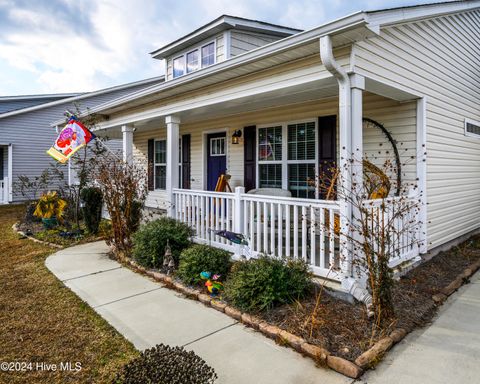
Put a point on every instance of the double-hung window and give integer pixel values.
(160, 164)
(192, 61)
(270, 157)
(208, 55)
(301, 159)
(178, 66)
(287, 158)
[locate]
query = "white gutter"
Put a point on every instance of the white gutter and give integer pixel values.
(334, 27)
(349, 283)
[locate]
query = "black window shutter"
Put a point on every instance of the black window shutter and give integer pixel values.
(150, 157)
(186, 162)
(249, 157)
(327, 149)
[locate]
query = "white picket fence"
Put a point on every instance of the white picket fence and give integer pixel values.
(275, 226)
(4, 191)
(394, 224)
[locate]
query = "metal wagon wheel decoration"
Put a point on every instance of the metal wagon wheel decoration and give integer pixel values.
(367, 123)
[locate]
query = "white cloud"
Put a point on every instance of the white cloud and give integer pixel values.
(71, 45)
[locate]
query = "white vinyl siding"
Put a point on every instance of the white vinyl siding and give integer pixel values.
(398, 118)
(439, 59)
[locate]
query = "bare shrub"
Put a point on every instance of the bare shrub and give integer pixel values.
(124, 189)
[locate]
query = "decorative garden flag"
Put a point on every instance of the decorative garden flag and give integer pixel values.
(73, 137)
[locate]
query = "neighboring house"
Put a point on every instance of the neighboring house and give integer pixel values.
(26, 133)
(270, 105)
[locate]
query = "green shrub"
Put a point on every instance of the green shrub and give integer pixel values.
(259, 284)
(150, 240)
(202, 258)
(164, 365)
(105, 229)
(92, 209)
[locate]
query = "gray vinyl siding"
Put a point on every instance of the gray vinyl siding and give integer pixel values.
(31, 133)
(438, 58)
(241, 42)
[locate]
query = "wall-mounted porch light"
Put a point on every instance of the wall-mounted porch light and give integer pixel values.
(236, 136)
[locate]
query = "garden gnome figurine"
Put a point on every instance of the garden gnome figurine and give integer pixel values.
(168, 262)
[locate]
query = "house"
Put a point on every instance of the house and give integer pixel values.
(270, 105)
(26, 134)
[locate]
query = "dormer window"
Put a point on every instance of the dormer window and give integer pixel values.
(192, 61)
(178, 66)
(208, 55)
(200, 57)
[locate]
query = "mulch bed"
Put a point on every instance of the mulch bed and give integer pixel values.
(345, 330)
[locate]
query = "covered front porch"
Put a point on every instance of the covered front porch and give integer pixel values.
(279, 131)
(280, 146)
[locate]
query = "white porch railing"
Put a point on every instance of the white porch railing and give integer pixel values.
(394, 222)
(276, 226)
(4, 191)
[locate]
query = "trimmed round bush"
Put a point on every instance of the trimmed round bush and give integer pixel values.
(166, 365)
(150, 240)
(202, 258)
(259, 284)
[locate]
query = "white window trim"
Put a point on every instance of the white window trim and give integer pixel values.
(473, 122)
(285, 162)
(183, 56)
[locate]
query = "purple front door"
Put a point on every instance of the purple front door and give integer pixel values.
(216, 158)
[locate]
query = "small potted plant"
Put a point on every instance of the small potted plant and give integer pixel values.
(50, 208)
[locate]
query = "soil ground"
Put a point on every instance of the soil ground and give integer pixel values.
(345, 330)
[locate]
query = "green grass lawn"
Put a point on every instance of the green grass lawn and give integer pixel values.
(42, 321)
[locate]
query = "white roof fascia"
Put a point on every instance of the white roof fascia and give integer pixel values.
(81, 97)
(333, 27)
(42, 96)
(409, 14)
(229, 22)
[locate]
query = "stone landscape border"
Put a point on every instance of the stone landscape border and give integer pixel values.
(321, 356)
(21, 233)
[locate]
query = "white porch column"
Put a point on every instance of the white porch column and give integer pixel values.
(357, 84)
(173, 135)
(422, 170)
(10, 173)
(127, 133)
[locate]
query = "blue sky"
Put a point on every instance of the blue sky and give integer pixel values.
(49, 46)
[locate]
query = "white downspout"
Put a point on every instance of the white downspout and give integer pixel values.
(350, 284)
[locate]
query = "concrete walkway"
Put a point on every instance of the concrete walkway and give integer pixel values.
(146, 313)
(447, 352)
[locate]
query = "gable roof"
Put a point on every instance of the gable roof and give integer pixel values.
(344, 30)
(146, 82)
(218, 25)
